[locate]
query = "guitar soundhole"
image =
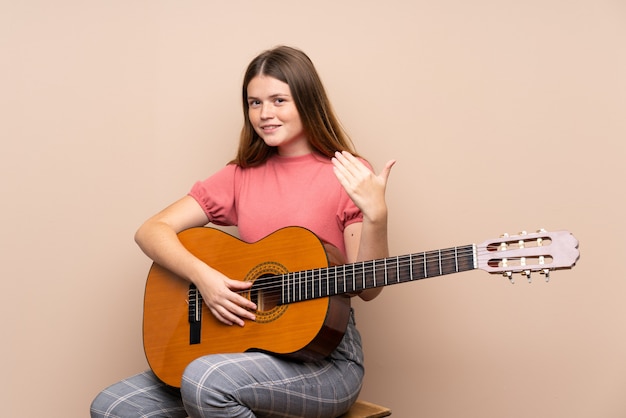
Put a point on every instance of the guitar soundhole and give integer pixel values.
(266, 291)
(264, 294)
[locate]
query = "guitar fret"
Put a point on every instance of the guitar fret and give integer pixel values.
(346, 278)
(397, 269)
(306, 286)
(289, 287)
(297, 287)
(364, 278)
(440, 271)
(319, 285)
(385, 270)
(282, 288)
(347, 285)
(353, 281)
(340, 277)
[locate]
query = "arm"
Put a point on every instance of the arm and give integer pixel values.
(157, 237)
(366, 240)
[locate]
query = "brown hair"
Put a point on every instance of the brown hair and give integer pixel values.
(295, 68)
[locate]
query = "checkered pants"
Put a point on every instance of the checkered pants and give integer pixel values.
(244, 385)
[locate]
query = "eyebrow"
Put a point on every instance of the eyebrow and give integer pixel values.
(273, 96)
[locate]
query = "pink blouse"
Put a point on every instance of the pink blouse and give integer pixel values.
(285, 191)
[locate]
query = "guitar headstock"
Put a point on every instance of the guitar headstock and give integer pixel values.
(525, 253)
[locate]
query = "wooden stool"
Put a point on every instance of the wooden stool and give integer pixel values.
(363, 409)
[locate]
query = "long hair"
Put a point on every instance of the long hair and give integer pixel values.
(295, 68)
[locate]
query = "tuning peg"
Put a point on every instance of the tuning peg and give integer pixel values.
(541, 231)
(527, 274)
(509, 276)
(546, 272)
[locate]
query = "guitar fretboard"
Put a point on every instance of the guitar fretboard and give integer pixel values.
(348, 278)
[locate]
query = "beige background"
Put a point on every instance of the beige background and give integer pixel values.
(503, 115)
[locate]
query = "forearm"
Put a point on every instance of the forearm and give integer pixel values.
(158, 238)
(373, 245)
(161, 244)
(367, 241)
(373, 242)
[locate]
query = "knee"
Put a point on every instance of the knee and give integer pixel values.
(206, 383)
(197, 382)
(99, 406)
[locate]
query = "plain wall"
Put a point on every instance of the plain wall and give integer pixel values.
(503, 116)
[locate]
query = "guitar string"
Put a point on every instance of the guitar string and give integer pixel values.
(355, 271)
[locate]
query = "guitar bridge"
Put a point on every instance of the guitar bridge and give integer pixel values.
(194, 302)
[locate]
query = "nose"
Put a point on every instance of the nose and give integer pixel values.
(267, 112)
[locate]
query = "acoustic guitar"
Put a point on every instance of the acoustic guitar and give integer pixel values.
(300, 287)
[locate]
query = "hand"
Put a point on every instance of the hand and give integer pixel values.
(366, 189)
(221, 296)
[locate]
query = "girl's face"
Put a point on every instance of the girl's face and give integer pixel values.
(273, 115)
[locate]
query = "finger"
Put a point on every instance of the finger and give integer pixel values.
(351, 163)
(240, 306)
(239, 284)
(339, 162)
(236, 287)
(232, 314)
(349, 169)
(387, 169)
(222, 318)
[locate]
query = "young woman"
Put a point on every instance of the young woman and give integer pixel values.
(294, 166)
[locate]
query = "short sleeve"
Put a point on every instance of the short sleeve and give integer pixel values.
(217, 196)
(348, 213)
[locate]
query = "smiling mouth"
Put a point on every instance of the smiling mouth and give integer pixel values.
(269, 128)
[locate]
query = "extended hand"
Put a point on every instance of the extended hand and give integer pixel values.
(365, 188)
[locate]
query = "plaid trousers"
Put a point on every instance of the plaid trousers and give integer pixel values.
(245, 385)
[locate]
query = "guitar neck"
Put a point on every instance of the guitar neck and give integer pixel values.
(349, 278)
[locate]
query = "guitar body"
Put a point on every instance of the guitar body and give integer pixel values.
(305, 330)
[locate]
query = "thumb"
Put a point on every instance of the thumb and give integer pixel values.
(387, 169)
